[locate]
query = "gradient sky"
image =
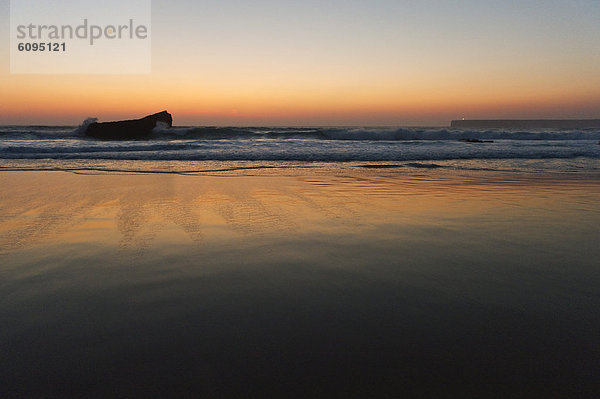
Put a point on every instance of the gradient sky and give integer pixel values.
(377, 62)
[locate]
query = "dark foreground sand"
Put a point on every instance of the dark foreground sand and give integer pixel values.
(374, 283)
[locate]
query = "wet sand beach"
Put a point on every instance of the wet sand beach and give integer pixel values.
(337, 282)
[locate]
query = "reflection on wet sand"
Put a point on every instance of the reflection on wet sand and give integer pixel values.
(131, 212)
(332, 282)
(40, 207)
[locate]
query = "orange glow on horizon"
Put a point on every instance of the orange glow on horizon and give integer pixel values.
(68, 99)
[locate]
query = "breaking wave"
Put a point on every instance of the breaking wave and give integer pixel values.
(310, 133)
(325, 144)
(370, 134)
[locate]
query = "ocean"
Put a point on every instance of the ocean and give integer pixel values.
(293, 262)
(65, 147)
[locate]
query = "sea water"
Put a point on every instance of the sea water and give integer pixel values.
(33, 147)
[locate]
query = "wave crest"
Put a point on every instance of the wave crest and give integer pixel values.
(81, 129)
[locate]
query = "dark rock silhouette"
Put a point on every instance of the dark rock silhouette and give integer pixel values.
(129, 129)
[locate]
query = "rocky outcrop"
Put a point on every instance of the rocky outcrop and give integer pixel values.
(129, 129)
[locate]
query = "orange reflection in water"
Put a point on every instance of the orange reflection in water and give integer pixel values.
(139, 211)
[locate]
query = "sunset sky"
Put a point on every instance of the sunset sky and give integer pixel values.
(378, 62)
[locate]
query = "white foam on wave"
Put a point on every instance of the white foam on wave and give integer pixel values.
(295, 150)
(399, 134)
(163, 131)
(81, 129)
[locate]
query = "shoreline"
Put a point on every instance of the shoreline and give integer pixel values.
(559, 166)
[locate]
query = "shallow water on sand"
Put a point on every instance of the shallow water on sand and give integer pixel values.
(361, 282)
